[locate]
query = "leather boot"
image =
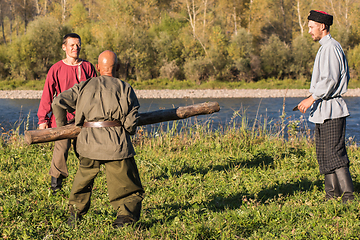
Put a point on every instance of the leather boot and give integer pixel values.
(345, 183)
(121, 221)
(56, 184)
(332, 188)
(73, 219)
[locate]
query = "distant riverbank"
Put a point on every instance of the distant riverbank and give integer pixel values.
(189, 93)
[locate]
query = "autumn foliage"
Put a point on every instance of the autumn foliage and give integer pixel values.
(196, 40)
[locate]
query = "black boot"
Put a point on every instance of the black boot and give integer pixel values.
(122, 220)
(345, 183)
(73, 219)
(332, 188)
(56, 184)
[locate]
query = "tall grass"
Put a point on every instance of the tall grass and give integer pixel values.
(245, 181)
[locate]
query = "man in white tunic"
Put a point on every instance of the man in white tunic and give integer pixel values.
(329, 81)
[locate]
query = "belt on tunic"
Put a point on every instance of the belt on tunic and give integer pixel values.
(332, 97)
(102, 124)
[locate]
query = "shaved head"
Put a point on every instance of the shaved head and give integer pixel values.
(107, 63)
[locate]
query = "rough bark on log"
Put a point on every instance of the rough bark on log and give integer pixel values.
(71, 131)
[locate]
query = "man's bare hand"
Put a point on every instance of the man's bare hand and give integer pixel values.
(305, 104)
(43, 126)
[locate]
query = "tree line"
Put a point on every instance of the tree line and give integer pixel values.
(198, 40)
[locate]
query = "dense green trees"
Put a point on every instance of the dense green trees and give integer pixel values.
(32, 54)
(198, 40)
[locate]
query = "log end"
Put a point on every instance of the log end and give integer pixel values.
(214, 107)
(28, 137)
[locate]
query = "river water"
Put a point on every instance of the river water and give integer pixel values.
(21, 113)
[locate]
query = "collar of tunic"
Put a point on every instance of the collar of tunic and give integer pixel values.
(325, 39)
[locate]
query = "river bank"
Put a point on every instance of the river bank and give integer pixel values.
(190, 93)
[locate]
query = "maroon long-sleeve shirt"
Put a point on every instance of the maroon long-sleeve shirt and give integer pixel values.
(60, 78)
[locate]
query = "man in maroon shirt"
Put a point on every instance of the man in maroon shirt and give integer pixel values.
(62, 76)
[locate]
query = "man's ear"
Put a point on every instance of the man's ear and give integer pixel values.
(97, 67)
(63, 47)
(115, 70)
(323, 27)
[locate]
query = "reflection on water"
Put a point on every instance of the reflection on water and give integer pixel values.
(15, 111)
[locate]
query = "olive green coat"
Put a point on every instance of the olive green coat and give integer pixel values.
(101, 99)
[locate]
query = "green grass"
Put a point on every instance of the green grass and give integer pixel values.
(243, 182)
(185, 84)
(22, 84)
(262, 84)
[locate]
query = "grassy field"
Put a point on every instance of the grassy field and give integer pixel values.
(177, 84)
(243, 182)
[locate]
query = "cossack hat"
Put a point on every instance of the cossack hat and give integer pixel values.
(321, 17)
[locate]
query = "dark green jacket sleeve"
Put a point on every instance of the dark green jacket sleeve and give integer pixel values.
(65, 102)
(132, 117)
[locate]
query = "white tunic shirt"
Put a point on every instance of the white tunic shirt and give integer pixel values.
(329, 81)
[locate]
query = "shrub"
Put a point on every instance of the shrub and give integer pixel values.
(302, 57)
(136, 53)
(36, 51)
(354, 60)
(244, 64)
(192, 48)
(4, 70)
(217, 50)
(165, 40)
(199, 70)
(79, 16)
(274, 56)
(132, 46)
(170, 70)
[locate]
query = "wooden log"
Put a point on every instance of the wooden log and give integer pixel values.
(71, 131)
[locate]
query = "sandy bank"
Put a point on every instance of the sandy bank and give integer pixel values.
(207, 93)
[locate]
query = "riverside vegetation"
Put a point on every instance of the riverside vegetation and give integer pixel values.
(164, 83)
(197, 41)
(245, 181)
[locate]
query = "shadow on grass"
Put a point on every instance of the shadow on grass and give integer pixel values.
(260, 159)
(356, 185)
(171, 211)
(278, 191)
(287, 189)
(218, 203)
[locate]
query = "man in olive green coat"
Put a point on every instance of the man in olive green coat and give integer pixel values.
(107, 110)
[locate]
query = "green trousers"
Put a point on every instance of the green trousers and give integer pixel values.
(124, 186)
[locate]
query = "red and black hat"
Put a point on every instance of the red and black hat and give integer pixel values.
(321, 17)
